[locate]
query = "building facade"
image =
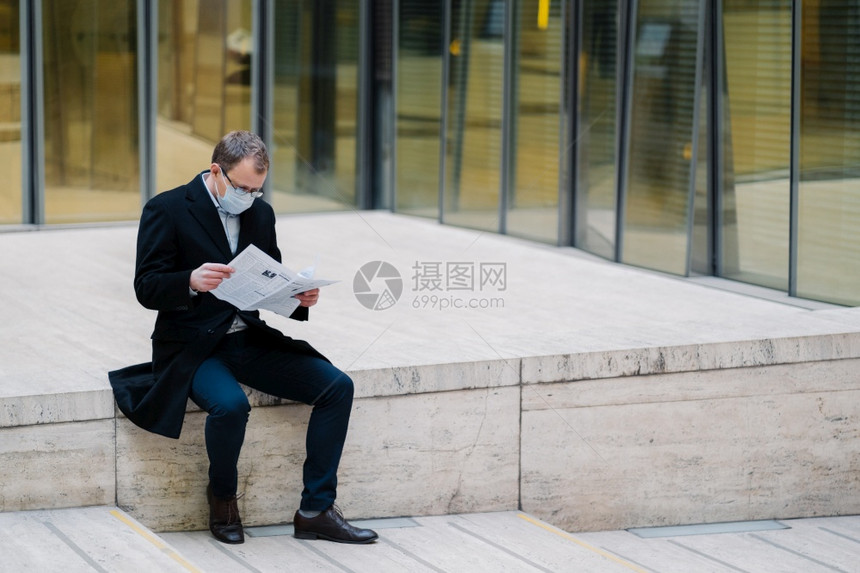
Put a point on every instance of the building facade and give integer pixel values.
(694, 137)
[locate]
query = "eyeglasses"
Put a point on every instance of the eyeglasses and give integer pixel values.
(252, 192)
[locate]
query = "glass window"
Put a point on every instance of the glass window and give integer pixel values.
(204, 82)
(91, 116)
(596, 137)
(661, 129)
(533, 189)
(315, 105)
(10, 113)
(419, 120)
(473, 154)
(828, 257)
(756, 132)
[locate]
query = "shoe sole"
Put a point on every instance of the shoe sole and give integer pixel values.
(240, 541)
(228, 542)
(304, 535)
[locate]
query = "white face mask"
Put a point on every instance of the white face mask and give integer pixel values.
(234, 200)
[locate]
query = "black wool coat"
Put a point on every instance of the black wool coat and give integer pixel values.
(180, 230)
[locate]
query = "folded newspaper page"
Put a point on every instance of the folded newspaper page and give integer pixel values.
(261, 282)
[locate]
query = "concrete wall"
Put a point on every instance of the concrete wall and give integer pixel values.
(420, 454)
(720, 445)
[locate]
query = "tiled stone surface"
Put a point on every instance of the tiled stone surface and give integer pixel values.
(406, 455)
(57, 465)
(723, 445)
(84, 540)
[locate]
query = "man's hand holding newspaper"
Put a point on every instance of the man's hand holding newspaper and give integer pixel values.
(261, 282)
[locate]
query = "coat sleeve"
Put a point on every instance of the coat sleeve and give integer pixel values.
(160, 283)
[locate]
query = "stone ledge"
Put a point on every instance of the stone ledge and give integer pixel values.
(752, 382)
(97, 403)
(420, 379)
(690, 357)
(40, 409)
(409, 380)
(431, 378)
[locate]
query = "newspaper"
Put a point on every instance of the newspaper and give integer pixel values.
(261, 282)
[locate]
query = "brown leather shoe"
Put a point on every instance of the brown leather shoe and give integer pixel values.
(224, 521)
(331, 526)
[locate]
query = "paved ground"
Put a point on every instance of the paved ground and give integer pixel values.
(106, 539)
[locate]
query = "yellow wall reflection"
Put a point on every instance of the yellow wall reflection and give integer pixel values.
(10, 113)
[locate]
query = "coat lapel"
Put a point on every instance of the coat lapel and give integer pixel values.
(246, 228)
(201, 208)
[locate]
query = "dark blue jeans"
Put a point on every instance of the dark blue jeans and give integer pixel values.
(243, 357)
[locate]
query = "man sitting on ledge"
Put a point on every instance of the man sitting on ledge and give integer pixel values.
(203, 347)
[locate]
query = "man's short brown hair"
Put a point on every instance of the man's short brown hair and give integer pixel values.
(236, 146)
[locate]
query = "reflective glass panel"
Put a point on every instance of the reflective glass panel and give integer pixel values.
(661, 129)
(10, 113)
(596, 137)
(419, 115)
(315, 105)
(828, 262)
(756, 130)
(701, 247)
(91, 116)
(533, 188)
(473, 152)
(204, 82)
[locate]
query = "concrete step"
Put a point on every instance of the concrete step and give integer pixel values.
(83, 540)
(491, 542)
(106, 539)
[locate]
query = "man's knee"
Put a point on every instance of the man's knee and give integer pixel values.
(236, 409)
(339, 390)
(344, 386)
